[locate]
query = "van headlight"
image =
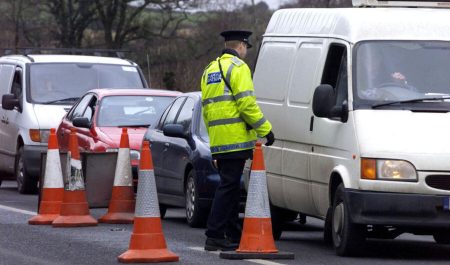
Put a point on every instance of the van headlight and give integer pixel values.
(40, 136)
(382, 169)
(135, 155)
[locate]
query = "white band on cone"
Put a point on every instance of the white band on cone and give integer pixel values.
(147, 198)
(123, 176)
(257, 197)
(53, 175)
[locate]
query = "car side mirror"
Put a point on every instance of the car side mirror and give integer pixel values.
(9, 102)
(174, 130)
(81, 122)
(323, 101)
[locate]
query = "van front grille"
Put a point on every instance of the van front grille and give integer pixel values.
(441, 182)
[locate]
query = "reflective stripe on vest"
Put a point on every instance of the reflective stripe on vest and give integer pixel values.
(224, 148)
(258, 123)
(227, 98)
(224, 121)
(228, 78)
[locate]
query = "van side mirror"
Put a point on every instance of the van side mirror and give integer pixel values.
(174, 130)
(340, 112)
(81, 122)
(9, 102)
(323, 101)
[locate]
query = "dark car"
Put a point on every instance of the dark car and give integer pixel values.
(184, 170)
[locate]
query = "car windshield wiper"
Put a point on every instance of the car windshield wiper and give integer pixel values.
(374, 106)
(61, 100)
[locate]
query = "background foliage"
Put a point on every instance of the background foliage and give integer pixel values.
(171, 40)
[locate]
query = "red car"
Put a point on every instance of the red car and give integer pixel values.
(100, 115)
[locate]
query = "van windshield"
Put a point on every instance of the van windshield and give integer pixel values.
(64, 83)
(402, 74)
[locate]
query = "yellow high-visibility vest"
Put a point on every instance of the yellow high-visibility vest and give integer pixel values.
(231, 115)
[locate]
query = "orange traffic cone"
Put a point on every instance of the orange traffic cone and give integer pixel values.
(257, 239)
(74, 208)
(147, 243)
(53, 188)
(121, 205)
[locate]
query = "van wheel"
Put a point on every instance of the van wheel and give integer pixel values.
(25, 183)
(279, 217)
(327, 229)
(195, 215)
(442, 237)
(162, 210)
(348, 237)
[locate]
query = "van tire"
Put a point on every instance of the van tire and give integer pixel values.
(442, 237)
(162, 210)
(279, 217)
(348, 237)
(26, 184)
(327, 229)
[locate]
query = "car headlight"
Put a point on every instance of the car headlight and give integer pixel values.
(382, 169)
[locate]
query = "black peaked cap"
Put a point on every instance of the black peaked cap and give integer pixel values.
(241, 35)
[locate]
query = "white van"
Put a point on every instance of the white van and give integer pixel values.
(36, 92)
(359, 99)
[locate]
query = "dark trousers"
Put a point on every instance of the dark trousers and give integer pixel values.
(224, 216)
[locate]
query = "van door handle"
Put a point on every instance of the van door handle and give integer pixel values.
(311, 124)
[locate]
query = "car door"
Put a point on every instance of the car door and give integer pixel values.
(176, 155)
(7, 154)
(66, 125)
(159, 144)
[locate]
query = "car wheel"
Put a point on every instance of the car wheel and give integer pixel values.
(195, 215)
(348, 237)
(162, 210)
(442, 237)
(279, 217)
(25, 183)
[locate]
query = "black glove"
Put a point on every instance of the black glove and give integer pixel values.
(270, 139)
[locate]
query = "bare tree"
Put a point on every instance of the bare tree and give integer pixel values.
(72, 18)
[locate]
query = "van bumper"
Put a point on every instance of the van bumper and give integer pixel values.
(398, 209)
(32, 159)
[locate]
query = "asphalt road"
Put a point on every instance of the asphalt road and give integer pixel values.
(21, 243)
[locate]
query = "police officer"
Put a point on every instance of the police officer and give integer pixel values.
(234, 122)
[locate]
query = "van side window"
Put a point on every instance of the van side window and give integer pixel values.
(16, 88)
(335, 71)
(6, 76)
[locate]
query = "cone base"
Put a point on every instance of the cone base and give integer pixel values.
(148, 255)
(74, 221)
(117, 218)
(43, 219)
(255, 255)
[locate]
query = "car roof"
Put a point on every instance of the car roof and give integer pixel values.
(58, 58)
(196, 94)
(133, 92)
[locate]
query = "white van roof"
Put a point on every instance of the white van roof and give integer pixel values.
(358, 24)
(58, 58)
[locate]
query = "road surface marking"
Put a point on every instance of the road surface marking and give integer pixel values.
(11, 209)
(258, 261)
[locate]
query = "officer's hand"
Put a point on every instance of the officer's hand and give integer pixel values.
(270, 138)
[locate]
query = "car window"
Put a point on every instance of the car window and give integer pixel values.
(163, 117)
(89, 112)
(80, 108)
(131, 111)
(172, 114)
(185, 116)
